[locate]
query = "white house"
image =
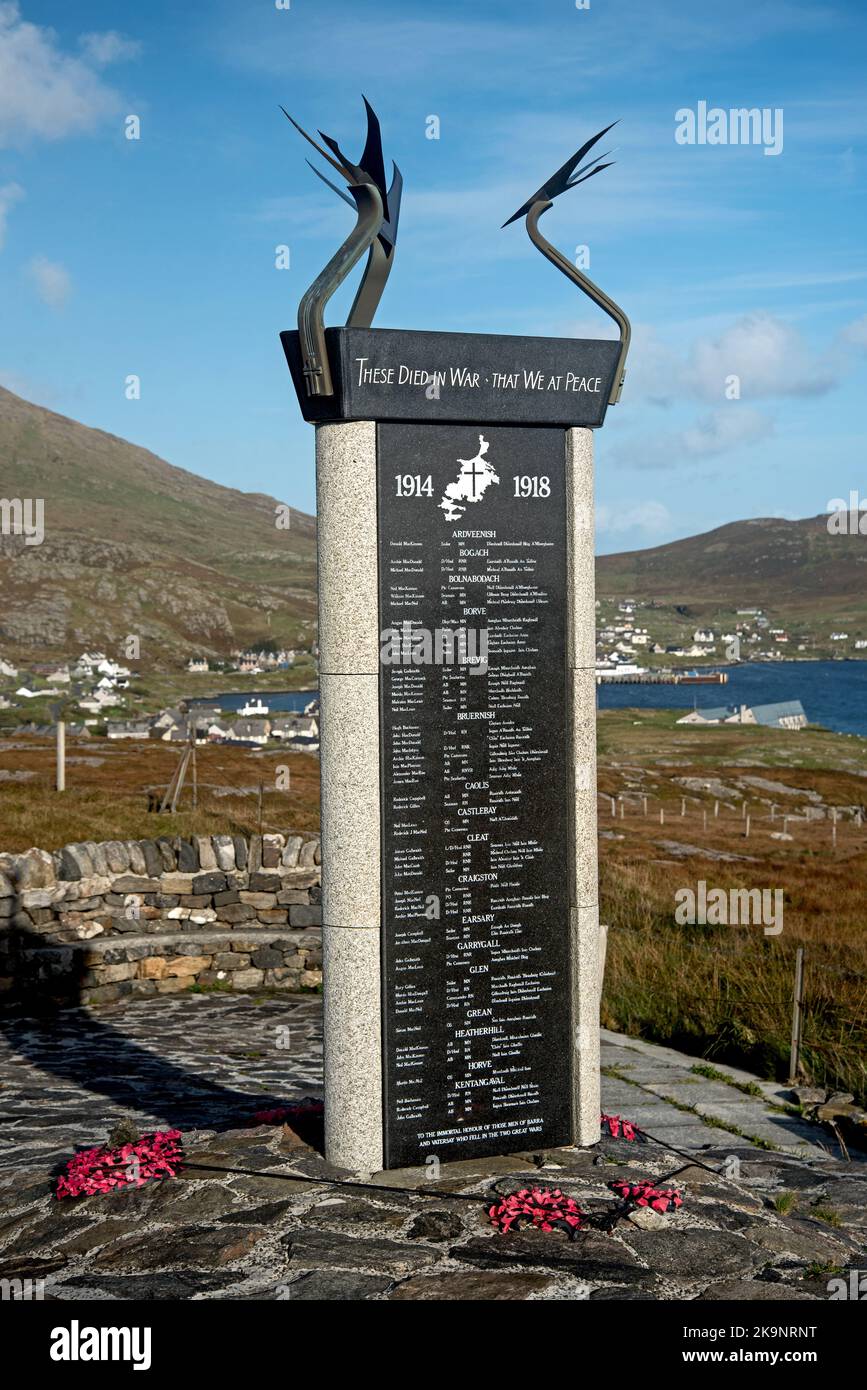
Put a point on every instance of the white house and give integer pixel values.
(250, 731)
(166, 718)
(218, 731)
(87, 663)
(295, 726)
(128, 728)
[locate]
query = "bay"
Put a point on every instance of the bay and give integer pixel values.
(278, 701)
(833, 693)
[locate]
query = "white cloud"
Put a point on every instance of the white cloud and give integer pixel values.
(108, 47)
(52, 281)
(45, 93)
(734, 426)
(653, 370)
(721, 430)
(769, 357)
(10, 194)
(649, 518)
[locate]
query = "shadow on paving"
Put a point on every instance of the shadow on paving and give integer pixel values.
(44, 1023)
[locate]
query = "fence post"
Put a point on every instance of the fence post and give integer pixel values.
(60, 781)
(797, 1017)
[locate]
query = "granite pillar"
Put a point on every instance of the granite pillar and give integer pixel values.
(583, 868)
(349, 748)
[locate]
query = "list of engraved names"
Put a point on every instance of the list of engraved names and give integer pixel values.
(472, 566)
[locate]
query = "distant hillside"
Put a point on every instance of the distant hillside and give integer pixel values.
(795, 570)
(134, 545)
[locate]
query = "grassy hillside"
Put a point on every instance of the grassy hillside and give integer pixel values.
(134, 545)
(796, 571)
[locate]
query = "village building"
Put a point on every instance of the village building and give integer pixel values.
(218, 731)
(128, 728)
(250, 731)
(294, 727)
(786, 714)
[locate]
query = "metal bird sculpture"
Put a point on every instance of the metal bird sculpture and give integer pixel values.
(569, 175)
(375, 231)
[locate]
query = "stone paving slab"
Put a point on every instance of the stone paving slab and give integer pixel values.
(260, 1221)
(662, 1058)
(193, 1060)
(670, 1076)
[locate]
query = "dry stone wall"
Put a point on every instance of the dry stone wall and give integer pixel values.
(93, 923)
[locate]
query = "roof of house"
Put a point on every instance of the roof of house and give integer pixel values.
(715, 712)
(166, 715)
(772, 714)
(250, 727)
(295, 724)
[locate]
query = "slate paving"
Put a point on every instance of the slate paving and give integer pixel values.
(675, 1096)
(257, 1219)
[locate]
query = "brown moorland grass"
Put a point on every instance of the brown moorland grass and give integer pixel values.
(725, 992)
(108, 784)
(719, 992)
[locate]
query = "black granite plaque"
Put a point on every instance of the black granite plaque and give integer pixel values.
(482, 378)
(476, 992)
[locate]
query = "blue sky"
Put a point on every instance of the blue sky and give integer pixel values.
(156, 256)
